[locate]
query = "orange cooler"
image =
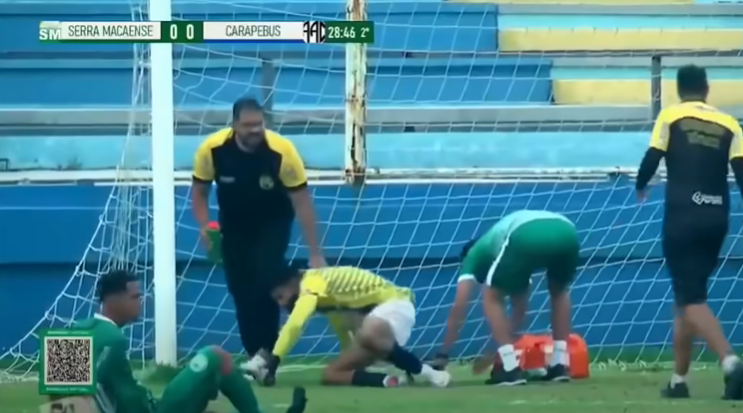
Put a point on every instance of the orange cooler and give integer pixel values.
(536, 352)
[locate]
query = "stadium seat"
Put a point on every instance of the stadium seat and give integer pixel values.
(627, 92)
(604, 39)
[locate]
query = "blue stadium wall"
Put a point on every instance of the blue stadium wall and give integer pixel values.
(621, 299)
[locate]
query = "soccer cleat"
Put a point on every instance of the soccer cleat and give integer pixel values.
(675, 391)
(500, 377)
(734, 384)
(557, 373)
(439, 378)
(254, 368)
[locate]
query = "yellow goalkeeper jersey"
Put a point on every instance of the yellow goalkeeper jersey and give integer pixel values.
(334, 290)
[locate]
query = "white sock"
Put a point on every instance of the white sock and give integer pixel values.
(729, 363)
(428, 371)
(508, 357)
(560, 353)
(677, 379)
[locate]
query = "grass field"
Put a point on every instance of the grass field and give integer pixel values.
(607, 391)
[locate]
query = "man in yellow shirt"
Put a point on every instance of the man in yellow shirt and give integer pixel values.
(698, 143)
(372, 317)
(261, 186)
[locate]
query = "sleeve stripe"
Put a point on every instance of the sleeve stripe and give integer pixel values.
(466, 277)
(200, 180)
(298, 187)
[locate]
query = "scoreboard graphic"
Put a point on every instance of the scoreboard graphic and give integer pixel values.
(207, 32)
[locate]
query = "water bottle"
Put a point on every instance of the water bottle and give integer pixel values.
(214, 233)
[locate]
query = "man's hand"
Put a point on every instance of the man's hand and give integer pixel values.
(317, 261)
(299, 401)
(440, 361)
(272, 365)
(205, 237)
(642, 195)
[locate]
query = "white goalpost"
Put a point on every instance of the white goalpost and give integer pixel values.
(163, 190)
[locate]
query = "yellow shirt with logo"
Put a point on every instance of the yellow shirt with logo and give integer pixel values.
(335, 290)
(252, 187)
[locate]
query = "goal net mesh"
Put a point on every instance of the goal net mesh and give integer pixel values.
(411, 229)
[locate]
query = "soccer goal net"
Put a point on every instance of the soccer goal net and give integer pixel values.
(444, 165)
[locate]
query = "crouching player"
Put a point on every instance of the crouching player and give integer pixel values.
(380, 315)
(208, 373)
(503, 261)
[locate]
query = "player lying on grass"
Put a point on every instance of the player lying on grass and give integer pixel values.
(208, 373)
(503, 261)
(372, 317)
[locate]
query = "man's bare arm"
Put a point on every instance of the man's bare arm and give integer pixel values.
(200, 202)
(456, 314)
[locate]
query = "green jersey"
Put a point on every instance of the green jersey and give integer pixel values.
(118, 391)
(535, 232)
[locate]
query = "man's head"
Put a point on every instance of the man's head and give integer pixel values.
(466, 249)
(691, 83)
(248, 123)
(120, 295)
(286, 291)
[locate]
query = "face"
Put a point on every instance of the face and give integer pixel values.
(129, 304)
(249, 129)
(287, 294)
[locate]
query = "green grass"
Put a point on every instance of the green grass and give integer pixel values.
(610, 390)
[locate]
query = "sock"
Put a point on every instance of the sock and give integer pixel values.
(729, 363)
(237, 389)
(428, 371)
(363, 378)
(560, 353)
(677, 379)
(405, 360)
(508, 357)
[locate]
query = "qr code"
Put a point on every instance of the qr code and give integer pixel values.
(68, 361)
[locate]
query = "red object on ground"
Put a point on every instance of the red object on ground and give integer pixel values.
(536, 350)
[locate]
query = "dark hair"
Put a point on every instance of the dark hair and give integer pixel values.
(114, 282)
(245, 105)
(287, 273)
(466, 249)
(692, 80)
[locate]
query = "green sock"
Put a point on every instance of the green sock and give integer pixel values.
(237, 389)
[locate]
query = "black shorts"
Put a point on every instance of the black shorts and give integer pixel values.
(692, 240)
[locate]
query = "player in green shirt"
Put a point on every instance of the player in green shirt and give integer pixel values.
(209, 372)
(503, 260)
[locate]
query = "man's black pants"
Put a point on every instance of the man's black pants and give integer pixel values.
(692, 240)
(251, 259)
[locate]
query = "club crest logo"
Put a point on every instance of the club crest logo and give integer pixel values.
(199, 363)
(265, 182)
